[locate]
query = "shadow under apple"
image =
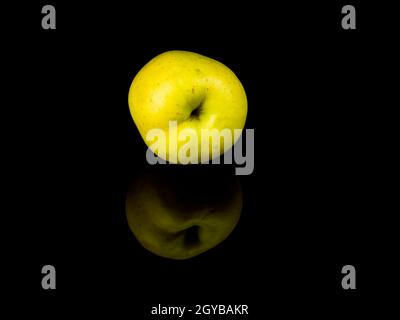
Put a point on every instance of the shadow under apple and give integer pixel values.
(181, 216)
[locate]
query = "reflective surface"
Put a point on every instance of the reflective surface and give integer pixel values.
(179, 217)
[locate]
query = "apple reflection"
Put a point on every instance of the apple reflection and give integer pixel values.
(181, 216)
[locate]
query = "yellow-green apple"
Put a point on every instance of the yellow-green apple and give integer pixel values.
(194, 100)
(181, 217)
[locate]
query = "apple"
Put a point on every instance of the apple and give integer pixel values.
(179, 217)
(196, 93)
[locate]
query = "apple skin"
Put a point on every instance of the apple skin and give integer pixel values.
(181, 218)
(174, 84)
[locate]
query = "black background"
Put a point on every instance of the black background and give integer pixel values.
(317, 199)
